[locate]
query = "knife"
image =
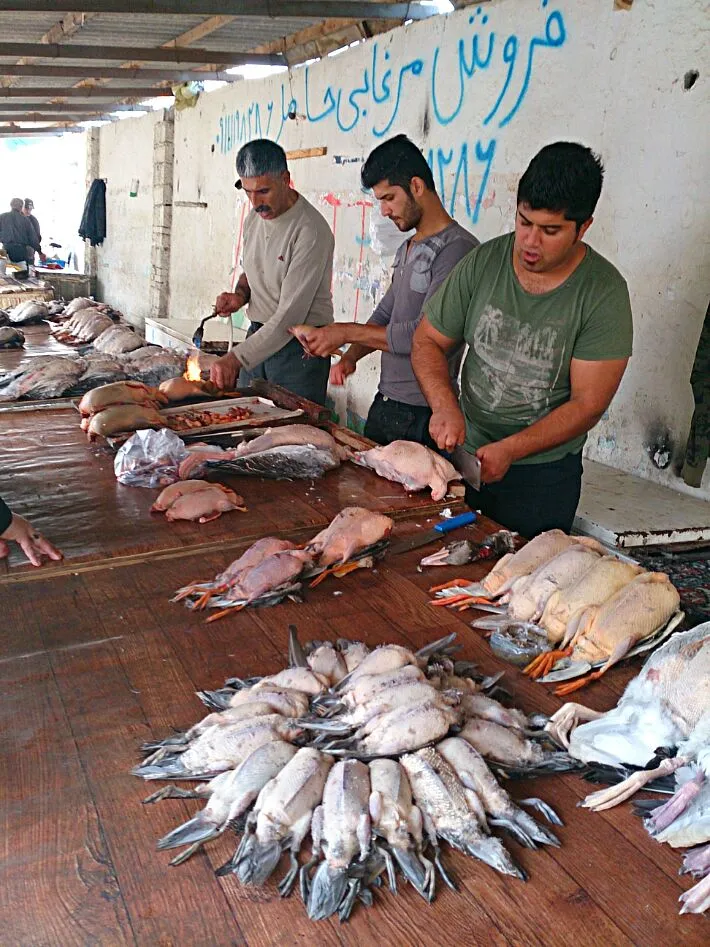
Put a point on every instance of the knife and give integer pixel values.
(468, 465)
(431, 535)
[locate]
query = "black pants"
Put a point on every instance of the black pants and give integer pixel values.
(292, 368)
(389, 420)
(533, 497)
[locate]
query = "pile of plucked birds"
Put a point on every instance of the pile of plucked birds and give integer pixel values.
(271, 569)
(657, 737)
(568, 604)
(380, 755)
(56, 376)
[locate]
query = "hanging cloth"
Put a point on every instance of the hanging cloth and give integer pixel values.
(698, 446)
(93, 220)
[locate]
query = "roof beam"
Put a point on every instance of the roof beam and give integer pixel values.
(38, 132)
(12, 117)
(318, 9)
(73, 107)
(87, 92)
(323, 38)
(167, 73)
(175, 54)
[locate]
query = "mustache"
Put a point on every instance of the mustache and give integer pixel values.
(261, 208)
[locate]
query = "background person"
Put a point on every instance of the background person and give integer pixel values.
(27, 210)
(17, 233)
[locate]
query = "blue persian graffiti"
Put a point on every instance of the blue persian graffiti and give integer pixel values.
(378, 98)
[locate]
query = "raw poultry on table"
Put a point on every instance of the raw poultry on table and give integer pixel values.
(270, 570)
(366, 818)
(411, 464)
(11, 338)
(203, 501)
(563, 590)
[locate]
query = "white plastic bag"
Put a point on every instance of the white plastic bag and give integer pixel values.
(150, 459)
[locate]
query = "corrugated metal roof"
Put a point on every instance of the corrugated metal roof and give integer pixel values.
(247, 32)
(115, 29)
(26, 27)
(239, 34)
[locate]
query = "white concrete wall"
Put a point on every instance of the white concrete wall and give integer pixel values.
(124, 260)
(481, 91)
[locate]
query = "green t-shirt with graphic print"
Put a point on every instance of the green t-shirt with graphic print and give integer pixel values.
(517, 367)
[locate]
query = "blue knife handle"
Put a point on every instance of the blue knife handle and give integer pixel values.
(463, 520)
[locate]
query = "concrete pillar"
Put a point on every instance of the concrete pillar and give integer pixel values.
(163, 173)
(93, 152)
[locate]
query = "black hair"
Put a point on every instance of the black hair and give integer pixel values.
(563, 176)
(397, 161)
(261, 156)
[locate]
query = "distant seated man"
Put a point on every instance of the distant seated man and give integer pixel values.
(27, 210)
(17, 233)
(15, 528)
(401, 180)
(288, 268)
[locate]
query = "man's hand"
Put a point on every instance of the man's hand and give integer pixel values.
(32, 542)
(448, 428)
(496, 459)
(341, 371)
(227, 303)
(321, 341)
(224, 371)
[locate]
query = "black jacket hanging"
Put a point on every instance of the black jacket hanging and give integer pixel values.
(93, 220)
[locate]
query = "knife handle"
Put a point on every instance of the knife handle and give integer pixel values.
(463, 520)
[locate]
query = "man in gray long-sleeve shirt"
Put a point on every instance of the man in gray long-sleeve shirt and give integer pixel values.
(401, 180)
(288, 266)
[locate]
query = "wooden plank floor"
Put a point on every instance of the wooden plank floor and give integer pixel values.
(93, 663)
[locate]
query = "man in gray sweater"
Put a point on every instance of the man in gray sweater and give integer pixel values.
(288, 267)
(401, 180)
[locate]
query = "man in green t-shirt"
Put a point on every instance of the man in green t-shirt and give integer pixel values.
(548, 324)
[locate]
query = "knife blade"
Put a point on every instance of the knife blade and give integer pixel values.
(468, 465)
(431, 535)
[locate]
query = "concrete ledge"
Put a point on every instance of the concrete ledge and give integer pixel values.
(620, 509)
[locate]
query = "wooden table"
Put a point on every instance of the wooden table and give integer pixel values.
(99, 660)
(95, 660)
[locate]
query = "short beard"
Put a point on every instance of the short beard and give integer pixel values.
(411, 216)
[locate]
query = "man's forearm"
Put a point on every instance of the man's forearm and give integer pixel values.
(559, 426)
(243, 287)
(356, 351)
(431, 368)
(373, 338)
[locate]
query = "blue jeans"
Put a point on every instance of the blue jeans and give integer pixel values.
(390, 420)
(291, 368)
